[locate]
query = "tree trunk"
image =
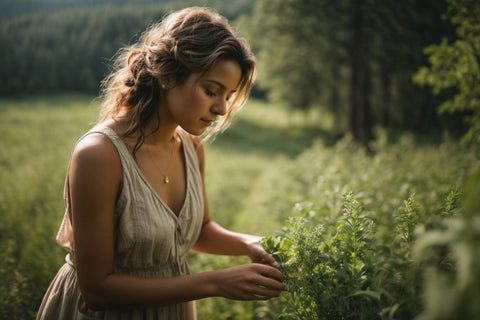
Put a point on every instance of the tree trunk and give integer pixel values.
(386, 94)
(335, 96)
(359, 112)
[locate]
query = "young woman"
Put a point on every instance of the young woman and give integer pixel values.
(135, 194)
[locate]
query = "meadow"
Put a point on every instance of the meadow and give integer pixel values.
(277, 173)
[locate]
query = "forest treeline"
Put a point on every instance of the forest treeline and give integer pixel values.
(67, 50)
(355, 58)
(67, 45)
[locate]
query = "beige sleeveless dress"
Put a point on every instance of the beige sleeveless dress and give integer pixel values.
(150, 240)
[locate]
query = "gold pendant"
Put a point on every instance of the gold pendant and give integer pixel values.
(166, 180)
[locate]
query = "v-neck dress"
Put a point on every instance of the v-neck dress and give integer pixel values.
(150, 240)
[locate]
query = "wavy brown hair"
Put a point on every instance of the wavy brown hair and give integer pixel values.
(187, 41)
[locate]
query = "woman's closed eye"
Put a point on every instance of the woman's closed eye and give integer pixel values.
(210, 93)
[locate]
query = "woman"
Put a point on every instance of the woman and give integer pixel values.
(134, 193)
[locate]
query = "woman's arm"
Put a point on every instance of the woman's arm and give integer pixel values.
(94, 180)
(218, 240)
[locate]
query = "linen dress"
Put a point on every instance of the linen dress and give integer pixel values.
(150, 240)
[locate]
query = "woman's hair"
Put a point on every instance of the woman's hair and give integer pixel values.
(187, 41)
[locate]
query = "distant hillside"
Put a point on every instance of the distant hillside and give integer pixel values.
(14, 8)
(65, 45)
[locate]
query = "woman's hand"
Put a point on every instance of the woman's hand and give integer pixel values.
(250, 282)
(258, 254)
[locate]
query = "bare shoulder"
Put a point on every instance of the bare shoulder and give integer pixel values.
(95, 152)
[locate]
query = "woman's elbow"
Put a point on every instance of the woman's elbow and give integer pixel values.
(95, 297)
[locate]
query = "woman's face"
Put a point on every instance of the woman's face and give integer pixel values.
(196, 104)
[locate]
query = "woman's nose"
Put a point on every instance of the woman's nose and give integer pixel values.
(220, 107)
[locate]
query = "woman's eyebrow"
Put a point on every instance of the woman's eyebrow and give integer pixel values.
(221, 85)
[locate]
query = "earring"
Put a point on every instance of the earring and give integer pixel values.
(164, 86)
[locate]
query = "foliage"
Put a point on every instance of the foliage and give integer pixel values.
(328, 266)
(352, 256)
(12, 9)
(458, 238)
(457, 65)
(348, 56)
(290, 76)
(67, 50)
(408, 219)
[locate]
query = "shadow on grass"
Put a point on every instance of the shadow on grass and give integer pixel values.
(246, 136)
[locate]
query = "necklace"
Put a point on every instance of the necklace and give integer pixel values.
(166, 180)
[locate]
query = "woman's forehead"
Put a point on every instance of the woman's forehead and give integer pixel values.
(226, 74)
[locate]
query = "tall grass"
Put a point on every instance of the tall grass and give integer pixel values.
(37, 135)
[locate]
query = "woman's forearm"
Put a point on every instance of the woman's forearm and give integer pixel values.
(244, 282)
(126, 291)
(217, 240)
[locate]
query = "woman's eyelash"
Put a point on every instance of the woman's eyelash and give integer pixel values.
(213, 94)
(210, 93)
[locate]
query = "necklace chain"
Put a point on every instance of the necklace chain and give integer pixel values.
(166, 180)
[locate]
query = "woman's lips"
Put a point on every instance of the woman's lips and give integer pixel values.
(207, 123)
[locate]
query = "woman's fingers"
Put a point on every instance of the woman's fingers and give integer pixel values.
(270, 272)
(258, 254)
(269, 282)
(252, 282)
(271, 260)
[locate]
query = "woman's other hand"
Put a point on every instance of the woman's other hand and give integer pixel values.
(250, 282)
(258, 254)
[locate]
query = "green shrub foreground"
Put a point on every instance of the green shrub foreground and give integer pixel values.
(393, 234)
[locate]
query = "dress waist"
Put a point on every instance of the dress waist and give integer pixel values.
(177, 267)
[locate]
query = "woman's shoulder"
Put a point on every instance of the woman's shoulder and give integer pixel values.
(95, 148)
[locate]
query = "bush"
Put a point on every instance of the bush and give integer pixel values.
(351, 256)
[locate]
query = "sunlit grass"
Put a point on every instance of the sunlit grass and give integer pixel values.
(37, 135)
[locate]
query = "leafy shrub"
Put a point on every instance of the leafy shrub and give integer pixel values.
(338, 270)
(352, 256)
(458, 239)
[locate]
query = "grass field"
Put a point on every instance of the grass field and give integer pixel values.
(269, 165)
(37, 136)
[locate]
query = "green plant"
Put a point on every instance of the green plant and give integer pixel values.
(456, 242)
(403, 189)
(408, 219)
(332, 268)
(456, 65)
